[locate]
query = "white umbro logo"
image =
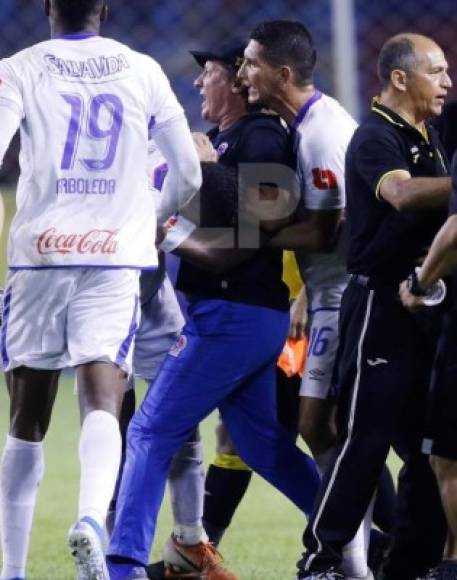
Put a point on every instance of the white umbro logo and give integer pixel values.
(377, 361)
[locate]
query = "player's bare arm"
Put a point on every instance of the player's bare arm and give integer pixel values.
(214, 248)
(299, 315)
(440, 261)
(405, 192)
(210, 251)
(318, 232)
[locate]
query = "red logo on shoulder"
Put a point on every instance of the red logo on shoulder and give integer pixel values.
(324, 179)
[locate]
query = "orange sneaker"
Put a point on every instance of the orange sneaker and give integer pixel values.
(200, 560)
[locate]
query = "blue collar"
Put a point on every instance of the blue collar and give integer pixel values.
(302, 112)
(76, 36)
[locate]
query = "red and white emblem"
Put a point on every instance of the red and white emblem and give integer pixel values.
(179, 346)
(92, 242)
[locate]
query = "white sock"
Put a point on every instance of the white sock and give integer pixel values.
(186, 481)
(99, 457)
(368, 522)
(355, 553)
(323, 461)
(190, 535)
(354, 561)
(22, 470)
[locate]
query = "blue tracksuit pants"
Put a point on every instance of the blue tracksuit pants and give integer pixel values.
(226, 359)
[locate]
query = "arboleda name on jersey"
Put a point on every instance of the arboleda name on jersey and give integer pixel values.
(91, 68)
(73, 185)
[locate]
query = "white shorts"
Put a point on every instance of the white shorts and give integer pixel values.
(322, 347)
(56, 318)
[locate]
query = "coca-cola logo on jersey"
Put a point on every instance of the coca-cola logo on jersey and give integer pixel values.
(92, 242)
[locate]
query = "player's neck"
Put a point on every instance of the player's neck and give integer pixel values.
(404, 109)
(59, 29)
(288, 106)
(230, 118)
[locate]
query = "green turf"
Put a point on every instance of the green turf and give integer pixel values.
(263, 544)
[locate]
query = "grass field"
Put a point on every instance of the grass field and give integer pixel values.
(263, 544)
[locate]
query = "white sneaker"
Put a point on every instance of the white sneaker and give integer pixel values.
(86, 545)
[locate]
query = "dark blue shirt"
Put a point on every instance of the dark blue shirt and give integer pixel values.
(255, 138)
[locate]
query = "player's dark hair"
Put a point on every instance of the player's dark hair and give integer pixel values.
(289, 43)
(74, 14)
(397, 53)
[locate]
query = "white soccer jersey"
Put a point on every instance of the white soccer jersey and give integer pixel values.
(325, 129)
(87, 105)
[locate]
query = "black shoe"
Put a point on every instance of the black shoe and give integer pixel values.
(378, 551)
(446, 570)
(329, 575)
(304, 574)
(156, 570)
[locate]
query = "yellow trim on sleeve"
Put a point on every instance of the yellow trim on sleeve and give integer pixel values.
(234, 462)
(383, 177)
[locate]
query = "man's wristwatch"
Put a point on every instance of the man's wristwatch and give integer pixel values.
(414, 286)
(430, 296)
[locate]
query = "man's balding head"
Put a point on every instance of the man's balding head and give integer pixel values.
(403, 52)
(413, 72)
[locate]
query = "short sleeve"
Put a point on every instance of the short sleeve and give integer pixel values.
(378, 156)
(164, 105)
(321, 173)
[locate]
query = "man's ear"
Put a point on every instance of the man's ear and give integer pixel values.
(399, 80)
(286, 74)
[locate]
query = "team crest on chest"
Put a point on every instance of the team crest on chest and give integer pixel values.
(222, 149)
